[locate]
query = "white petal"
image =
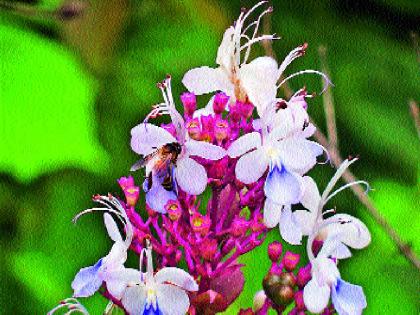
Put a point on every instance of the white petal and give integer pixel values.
(112, 228)
(258, 79)
(316, 297)
(190, 176)
(134, 299)
(306, 221)
(146, 138)
(117, 280)
(226, 49)
(172, 300)
(283, 187)
(205, 80)
(205, 150)
(290, 229)
(244, 144)
(206, 111)
(350, 230)
(251, 166)
(116, 256)
(324, 270)
(282, 124)
(298, 154)
(311, 197)
(272, 212)
(178, 277)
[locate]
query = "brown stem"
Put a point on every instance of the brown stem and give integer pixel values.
(414, 109)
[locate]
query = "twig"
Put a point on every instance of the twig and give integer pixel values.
(414, 109)
(328, 103)
(348, 177)
(415, 38)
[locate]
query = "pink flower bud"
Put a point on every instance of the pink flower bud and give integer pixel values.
(290, 261)
(219, 103)
(239, 227)
(274, 251)
(126, 182)
(235, 111)
(193, 128)
(221, 130)
(300, 305)
(132, 195)
(173, 208)
(304, 275)
(200, 224)
(190, 103)
(246, 110)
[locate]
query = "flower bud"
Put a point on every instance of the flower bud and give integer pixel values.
(274, 251)
(132, 195)
(239, 227)
(219, 103)
(304, 275)
(283, 295)
(248, 311)
(190, 103)
(290, 261)
(126, 182)
(288, 278)
(169, 128)
(247, 109)
(259, 300)
(173, 208)
(221, 130)
(200, 224)
(235, 111)
(270, 282)
(193, 128)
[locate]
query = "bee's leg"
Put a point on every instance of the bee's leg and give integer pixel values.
(149, 181)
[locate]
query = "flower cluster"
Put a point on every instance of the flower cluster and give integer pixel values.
(250, 152)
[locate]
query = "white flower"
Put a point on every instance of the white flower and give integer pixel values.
(255, 81)
(147, 139)
(339, 230)
(109, 269)
(163, 293)
(284, 150)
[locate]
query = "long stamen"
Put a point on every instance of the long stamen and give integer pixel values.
(295, 53)
(248, 13)
(359, 182)
(323, 75)
(259, 39)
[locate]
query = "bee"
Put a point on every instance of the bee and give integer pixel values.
(160, 161)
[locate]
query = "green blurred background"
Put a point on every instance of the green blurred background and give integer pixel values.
(71, 90)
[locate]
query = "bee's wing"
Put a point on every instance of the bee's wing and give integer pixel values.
(138, 165)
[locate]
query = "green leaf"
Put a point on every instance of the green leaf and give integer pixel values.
(46, 109)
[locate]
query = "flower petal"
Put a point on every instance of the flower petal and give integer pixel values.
(306, 221)
(251, 166)
(244, 144)
(172, 300)
(205, 80)
(112, 228)
(87, 281)
(348, 298)
(205, 150)
(316, 297)
(290, 229)
(258, 79)
(283, 187)
(157, 197)
(146, 138)
(178, 277)
(350, 230)
(298, 154)
(311, 197)
(226, 49)
(117, 280)
(134, 299)
(191, 176)
(272, 212)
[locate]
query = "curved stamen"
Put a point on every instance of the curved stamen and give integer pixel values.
(258, 39)
(323, 75)
(359, 182)
(295, 53)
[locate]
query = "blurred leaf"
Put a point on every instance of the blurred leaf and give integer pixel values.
(46, 108)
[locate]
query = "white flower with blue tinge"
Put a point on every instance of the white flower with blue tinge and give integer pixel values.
(283, 149)
(340, 230)
(162, 294)
(109, 269)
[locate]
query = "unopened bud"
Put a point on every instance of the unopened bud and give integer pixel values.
(259, 300)
(274, 251)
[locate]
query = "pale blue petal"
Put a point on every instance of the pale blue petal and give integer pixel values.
(157, 197)
(283, 187)
(348, 299)
(87, 281)
(149, 310)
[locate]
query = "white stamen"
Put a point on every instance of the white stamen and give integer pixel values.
(258, 39)
(323, 75)
(295, 53)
